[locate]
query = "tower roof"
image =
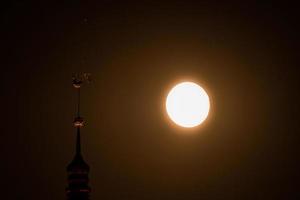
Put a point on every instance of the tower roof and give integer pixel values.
(78, 163)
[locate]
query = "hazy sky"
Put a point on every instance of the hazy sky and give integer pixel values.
(245, 55)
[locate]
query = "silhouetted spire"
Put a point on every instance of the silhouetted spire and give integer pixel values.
(78, 145)
(78, 188)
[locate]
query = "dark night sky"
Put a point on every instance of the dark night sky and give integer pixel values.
(245, 55)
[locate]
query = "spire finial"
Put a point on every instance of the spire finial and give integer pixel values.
(78, 80)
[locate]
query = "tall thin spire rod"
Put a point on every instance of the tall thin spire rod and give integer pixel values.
(78, 102)
(78, 145)
(78, 80)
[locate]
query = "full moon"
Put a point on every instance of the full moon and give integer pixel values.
(187, 104)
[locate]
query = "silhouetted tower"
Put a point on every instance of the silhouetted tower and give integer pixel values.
(78, 188)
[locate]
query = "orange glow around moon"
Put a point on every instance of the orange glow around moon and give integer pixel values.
(187, 104)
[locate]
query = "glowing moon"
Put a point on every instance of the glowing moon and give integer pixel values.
(187, 104)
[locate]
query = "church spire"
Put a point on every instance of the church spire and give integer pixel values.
(78, 145)
(78, 188)
(78, 121)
